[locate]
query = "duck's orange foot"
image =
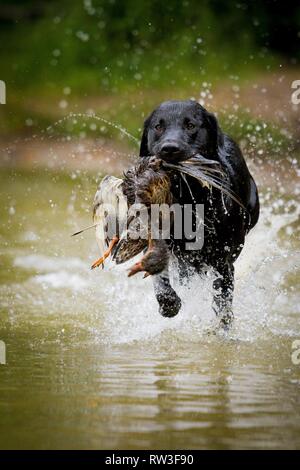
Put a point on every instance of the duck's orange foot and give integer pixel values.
(100, 261)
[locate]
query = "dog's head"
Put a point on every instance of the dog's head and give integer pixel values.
(177, 130)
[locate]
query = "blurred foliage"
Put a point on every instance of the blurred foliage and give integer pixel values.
(131, 54)
(105, 45)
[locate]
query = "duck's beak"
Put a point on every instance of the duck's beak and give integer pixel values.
(136, 268)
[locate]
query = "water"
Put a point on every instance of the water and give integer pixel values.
(91, 364)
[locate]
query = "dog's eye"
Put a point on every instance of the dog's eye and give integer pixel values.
(190, 126)
(159, 128)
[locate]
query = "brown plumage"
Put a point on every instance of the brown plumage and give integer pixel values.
(146, 183)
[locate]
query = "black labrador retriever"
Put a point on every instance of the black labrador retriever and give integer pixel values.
(176, 131)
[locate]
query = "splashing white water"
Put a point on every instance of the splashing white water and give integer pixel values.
(121, 310)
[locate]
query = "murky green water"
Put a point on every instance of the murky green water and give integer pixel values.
(91, 364)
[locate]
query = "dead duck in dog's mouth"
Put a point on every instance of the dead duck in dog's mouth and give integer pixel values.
(146, 183)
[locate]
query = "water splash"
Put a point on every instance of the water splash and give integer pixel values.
(72, 115)
(45, 133)
(118, 310)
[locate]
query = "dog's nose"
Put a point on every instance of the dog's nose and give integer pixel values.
(170, 149)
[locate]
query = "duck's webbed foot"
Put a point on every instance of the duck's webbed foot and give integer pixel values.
(106, 254)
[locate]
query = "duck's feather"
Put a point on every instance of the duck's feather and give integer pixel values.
(109, 211)
(207, 172)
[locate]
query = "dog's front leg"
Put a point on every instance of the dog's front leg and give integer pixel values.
(169, 302)
(223, 294)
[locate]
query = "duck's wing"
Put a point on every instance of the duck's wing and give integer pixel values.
(112, 219)
(109, 211)
(129, 244)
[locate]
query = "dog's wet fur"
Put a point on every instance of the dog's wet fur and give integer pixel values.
(176, 131)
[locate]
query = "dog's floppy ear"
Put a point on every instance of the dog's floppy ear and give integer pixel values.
(144, 150)
(217, 132)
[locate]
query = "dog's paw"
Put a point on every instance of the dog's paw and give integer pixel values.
(226, 318)
(169, 305)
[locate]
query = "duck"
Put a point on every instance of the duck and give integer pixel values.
(117, 225)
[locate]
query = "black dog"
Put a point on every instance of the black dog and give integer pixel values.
(176, 131)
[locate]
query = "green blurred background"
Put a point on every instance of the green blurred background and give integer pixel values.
(120, 58)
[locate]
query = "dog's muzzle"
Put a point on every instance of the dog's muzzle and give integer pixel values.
(172, 151)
